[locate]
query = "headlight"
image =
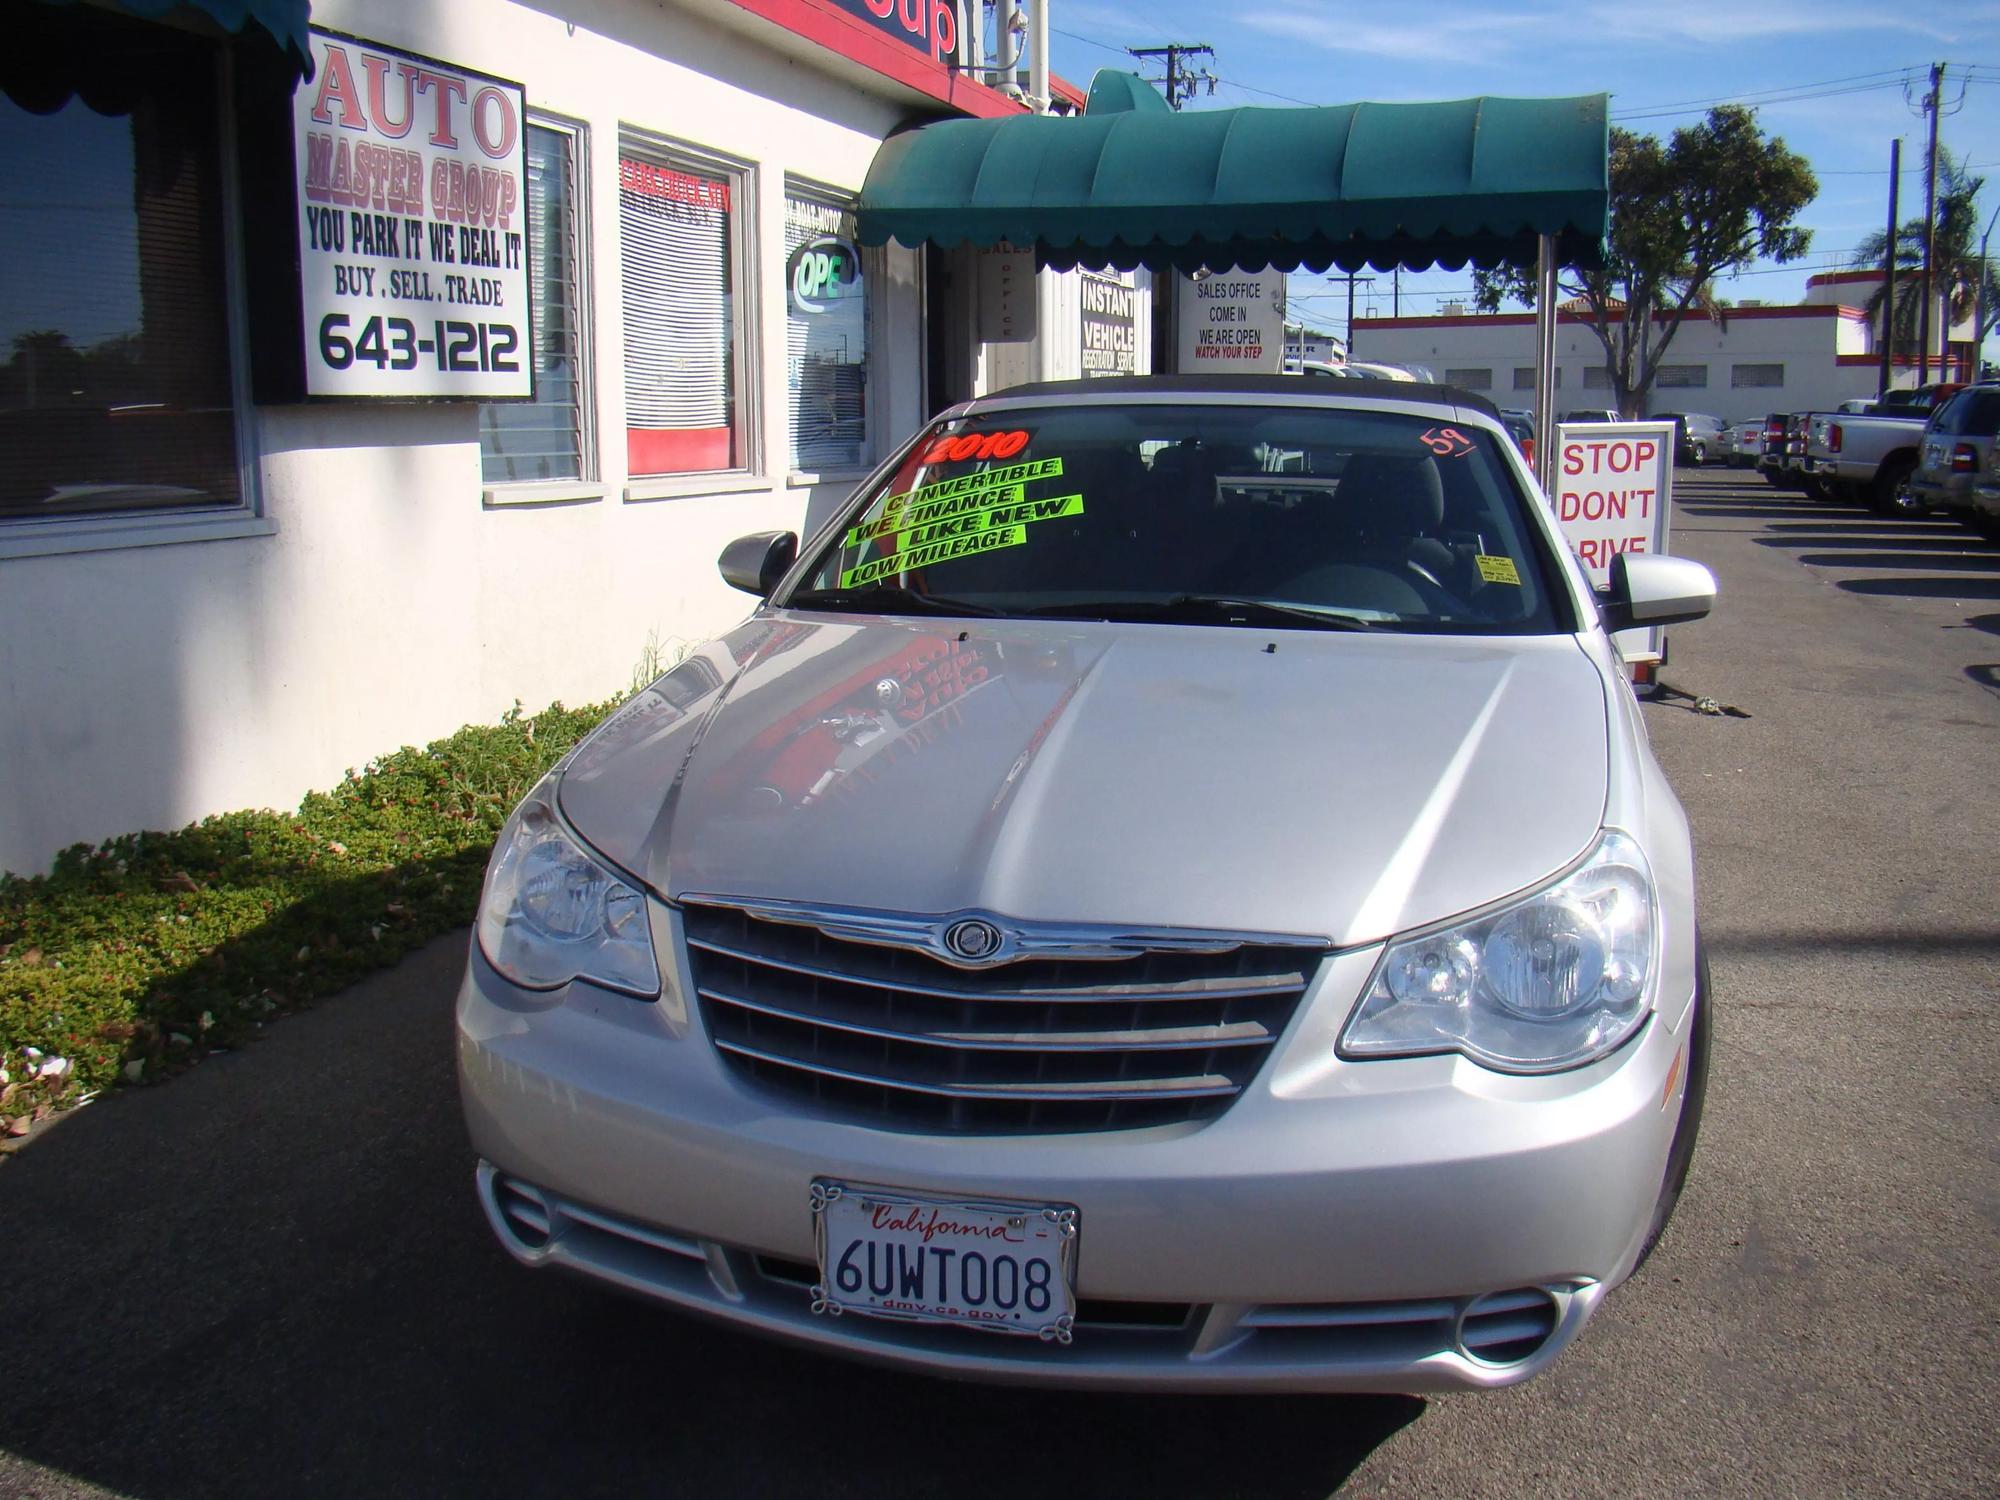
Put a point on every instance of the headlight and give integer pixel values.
(1551, 981)
(551, 913)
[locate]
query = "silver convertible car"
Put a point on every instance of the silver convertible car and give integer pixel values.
(1169, 890)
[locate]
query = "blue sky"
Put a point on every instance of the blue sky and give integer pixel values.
(1837, 68)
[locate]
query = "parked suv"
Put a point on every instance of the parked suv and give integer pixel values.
(1168, 890)
(1956, 448)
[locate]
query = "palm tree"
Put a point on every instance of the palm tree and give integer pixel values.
(1956, 269)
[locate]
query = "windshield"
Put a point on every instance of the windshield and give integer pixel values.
(1213, 514)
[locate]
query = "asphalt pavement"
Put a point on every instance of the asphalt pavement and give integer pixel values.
(270, 1277)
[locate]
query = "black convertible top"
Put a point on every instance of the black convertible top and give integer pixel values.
(1421, 392)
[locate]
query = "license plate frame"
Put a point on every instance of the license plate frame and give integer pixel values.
(912, 1221)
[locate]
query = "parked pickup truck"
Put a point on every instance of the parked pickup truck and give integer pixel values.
(1867, 458)
(1873, 458)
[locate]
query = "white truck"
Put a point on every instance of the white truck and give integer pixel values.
(1867, 458)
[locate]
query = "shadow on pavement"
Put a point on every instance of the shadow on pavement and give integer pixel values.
(1924, 588)
(1940, 562)
(1872, 525)
(270, 1277)
(1852, 537)
(1743, 512)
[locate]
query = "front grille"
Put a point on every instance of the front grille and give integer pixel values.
(1036, 1045)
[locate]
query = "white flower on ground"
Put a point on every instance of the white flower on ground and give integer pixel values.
(55, 1067)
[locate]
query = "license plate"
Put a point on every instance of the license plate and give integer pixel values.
(1005, 1267)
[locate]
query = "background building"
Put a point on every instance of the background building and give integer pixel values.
(1757, 359)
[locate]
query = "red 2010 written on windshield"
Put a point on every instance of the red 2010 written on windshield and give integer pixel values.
(970, 445)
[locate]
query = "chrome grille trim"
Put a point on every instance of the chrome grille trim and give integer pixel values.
(1235, 1034)
(1057, 1038)
(1097, 941)
(1207, 1087)
(1218, 991)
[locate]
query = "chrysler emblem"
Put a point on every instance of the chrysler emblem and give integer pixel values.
(972, 940)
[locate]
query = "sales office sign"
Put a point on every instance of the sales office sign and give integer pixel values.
(412, 227)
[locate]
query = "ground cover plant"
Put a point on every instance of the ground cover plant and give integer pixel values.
(138, 957)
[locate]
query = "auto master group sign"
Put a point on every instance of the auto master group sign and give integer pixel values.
(412, 227)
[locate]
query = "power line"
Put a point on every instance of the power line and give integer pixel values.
(1749, 94)
(1251, 88)
(1077, 36)
(1767, 103)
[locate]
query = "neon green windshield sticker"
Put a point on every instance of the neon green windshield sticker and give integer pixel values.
(1498, 570)
(1003, 521)
(950, 496)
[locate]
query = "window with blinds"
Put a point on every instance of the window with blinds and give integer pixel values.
(677, 223)
(549, 438)
(116, 392)
(826, 334)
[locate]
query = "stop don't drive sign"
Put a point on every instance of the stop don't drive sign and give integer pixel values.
(1614, 481)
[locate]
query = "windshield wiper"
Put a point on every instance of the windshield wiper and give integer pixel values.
(887, 599)
(1211, 609)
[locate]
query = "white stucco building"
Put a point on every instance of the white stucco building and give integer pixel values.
(1759, 359)
(219, 589)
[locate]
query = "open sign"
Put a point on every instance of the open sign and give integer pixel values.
(823, 271)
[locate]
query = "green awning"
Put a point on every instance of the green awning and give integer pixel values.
(286, 21)
(1132, 183)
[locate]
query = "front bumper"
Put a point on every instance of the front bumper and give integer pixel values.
(1335, 1230)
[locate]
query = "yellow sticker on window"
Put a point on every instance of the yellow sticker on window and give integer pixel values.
(1498, 570)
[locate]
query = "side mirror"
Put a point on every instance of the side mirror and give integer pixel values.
(756, 562)
(1651, 590)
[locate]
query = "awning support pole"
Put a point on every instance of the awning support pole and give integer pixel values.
(1545, 362)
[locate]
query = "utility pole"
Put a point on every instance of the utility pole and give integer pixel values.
(1181, 82)
(1889, 270)
(1930, 224)
(1351, 277)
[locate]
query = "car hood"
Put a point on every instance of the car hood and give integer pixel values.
(1343, 786)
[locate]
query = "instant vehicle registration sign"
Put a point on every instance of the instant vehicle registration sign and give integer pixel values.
(884, 1253)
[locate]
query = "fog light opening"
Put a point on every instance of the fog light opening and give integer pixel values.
(525, 1212)
(1507, 1328)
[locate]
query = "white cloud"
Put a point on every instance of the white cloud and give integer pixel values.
(1365, 31)
(1707, 23)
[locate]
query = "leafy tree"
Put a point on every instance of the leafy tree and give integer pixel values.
(1714, 197)
(1955, 267)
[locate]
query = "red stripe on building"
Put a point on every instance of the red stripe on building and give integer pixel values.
(677, 450)
(819, 21)
(1527, 320)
